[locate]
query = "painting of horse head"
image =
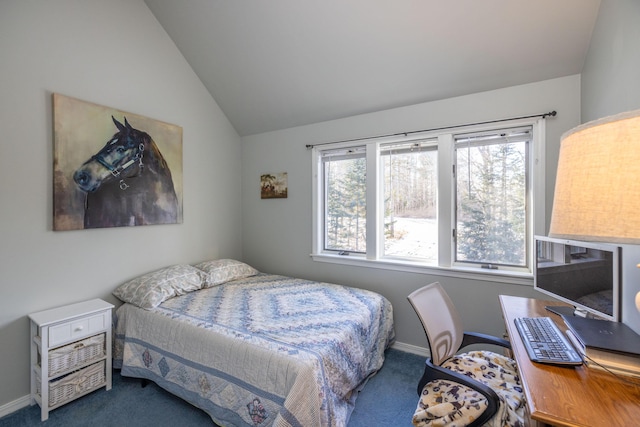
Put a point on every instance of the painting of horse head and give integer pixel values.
(126, 181)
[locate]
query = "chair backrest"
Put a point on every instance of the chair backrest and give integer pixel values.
(440, 320)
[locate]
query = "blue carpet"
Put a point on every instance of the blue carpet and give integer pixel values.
(388, 399)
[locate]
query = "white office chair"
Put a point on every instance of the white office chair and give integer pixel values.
(469, 389)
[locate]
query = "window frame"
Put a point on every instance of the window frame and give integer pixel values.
(446, 204)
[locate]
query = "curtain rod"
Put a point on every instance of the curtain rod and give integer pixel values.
(544, 115)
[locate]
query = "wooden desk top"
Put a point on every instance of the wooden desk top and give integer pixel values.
(569, 396)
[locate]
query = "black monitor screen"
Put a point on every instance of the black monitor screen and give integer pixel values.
(584, 274)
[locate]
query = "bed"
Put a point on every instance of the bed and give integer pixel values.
(249, 348)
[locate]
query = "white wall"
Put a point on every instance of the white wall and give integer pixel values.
(610, 82)
(112, 53)
(611, 85)
(277, 232)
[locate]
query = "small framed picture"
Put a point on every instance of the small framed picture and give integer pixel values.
(273, 185)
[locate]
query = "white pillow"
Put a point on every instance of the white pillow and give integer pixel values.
(224, 270)
(151, 289)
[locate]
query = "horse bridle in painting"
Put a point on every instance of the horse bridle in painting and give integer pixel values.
(116, 170)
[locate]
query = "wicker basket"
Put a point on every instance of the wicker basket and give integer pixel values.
(75, 354)
(75, 383)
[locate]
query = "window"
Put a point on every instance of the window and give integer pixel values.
(345, 206)
(410, 188)
(491, 197)
(469, 199)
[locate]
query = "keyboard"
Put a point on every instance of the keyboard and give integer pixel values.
(545, 343)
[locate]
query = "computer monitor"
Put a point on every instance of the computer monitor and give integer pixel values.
(583, 274)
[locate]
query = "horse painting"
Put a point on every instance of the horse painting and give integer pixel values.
(127, 182)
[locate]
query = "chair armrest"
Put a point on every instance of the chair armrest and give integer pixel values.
(479, 338)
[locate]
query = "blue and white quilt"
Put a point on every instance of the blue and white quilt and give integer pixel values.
(261, 351)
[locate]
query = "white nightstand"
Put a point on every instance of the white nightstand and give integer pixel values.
(70, 353)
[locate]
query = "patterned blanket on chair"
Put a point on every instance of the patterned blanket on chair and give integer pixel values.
(448, 404)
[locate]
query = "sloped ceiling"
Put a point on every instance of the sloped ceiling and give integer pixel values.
(276, 64)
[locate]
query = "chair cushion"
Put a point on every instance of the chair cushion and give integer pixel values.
(447, 404)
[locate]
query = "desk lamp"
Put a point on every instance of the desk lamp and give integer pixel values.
(597, 195)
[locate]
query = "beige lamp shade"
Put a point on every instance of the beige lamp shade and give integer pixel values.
(597, 195)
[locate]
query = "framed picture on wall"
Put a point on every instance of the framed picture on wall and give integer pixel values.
(273, 186)
(113, 169)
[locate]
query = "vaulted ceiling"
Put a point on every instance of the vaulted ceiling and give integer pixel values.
(276, 64)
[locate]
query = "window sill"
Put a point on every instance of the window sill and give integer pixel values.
(502, 276)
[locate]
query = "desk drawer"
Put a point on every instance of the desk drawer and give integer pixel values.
(77, 329)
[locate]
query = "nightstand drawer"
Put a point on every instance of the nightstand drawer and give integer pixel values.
(76, 329)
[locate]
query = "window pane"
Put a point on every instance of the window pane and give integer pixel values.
(410, 201)
(345, 203)
(491, 186)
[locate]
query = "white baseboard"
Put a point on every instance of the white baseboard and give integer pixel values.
(409, 348)
(11, 407)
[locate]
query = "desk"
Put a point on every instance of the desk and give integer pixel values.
(568, 396)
